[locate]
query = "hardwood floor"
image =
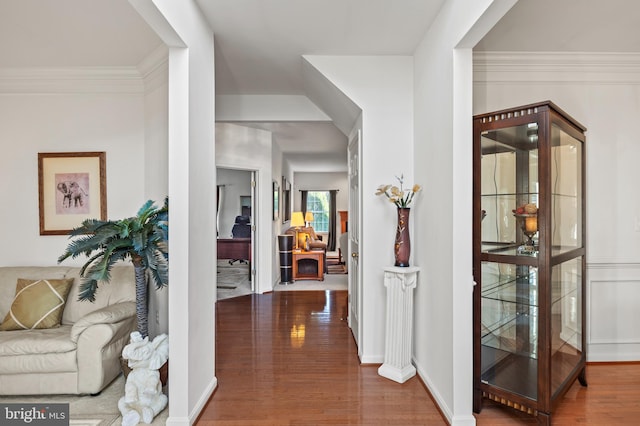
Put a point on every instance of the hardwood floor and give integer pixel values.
(612, 398)
(288, 358)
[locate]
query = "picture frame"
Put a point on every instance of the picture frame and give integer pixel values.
(276, 200)
(286, 200)
(72, 187)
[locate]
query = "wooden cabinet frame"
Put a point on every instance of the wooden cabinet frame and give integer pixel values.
(529, 312)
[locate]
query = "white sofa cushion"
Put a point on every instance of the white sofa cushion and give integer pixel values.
(28, 342)
(106, 294)
(107, 315)
(37, 351)
(39, 364)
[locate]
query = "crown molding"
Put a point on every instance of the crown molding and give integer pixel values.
(71, 80)
(149, 74)
(154, 68)
(556, 67)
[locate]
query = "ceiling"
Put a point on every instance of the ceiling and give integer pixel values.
(567, 26)
(72, 33)
(259, 44)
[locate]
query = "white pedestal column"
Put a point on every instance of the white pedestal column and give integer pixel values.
(400, 283)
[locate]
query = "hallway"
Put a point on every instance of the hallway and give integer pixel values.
(288, 358)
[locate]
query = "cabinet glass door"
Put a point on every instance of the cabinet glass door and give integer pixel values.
(509, 190)
(566, 197)
(566, 320)
(509, 327)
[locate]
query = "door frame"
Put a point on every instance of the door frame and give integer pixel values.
(256, 230)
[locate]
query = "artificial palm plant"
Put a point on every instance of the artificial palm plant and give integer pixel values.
(142, 238)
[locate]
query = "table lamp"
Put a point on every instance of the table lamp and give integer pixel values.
(297, 220)
(308, 217)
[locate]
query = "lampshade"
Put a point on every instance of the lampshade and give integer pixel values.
(297, 219)
(308, 217)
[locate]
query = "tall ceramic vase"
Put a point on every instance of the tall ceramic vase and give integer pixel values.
(402, 248)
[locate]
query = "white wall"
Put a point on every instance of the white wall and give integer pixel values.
(245, 148)
(383, 88)
(287, 172)
(156, 158)
(83, 120)
(591, 88)
(270, 108)
(443, 351)
(277, 173)
(191, 165)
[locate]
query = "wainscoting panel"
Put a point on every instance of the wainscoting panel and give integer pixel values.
(613, 312)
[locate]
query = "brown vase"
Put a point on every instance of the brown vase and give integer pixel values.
(402, 248)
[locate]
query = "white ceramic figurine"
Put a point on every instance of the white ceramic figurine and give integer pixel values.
(143, 398)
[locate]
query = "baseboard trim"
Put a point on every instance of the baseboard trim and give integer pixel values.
(437, 399)
(197, 409)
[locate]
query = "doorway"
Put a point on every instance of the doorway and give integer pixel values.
(235, 226)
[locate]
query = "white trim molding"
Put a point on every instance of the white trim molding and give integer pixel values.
(154, 69)
(556, 67)
(613, 292)
(71, 80)
(150, 73)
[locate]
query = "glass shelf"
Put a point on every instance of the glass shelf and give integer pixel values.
(521, 290)
(512, 194)
(507, 335)
(508, 249)
(510, 372)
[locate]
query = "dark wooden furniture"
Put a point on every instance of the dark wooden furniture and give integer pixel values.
(344, 220)
(235, 249)
(308, 265)
(285, 245)
(528, 257)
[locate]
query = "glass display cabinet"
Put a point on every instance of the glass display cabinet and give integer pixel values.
(528, 257)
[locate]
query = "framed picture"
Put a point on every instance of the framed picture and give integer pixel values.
(286, 200)
(276, 200)
(72, 187)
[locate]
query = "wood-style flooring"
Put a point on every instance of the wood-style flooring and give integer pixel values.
(288, 358)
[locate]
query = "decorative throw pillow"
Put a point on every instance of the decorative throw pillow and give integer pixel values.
(37, 304)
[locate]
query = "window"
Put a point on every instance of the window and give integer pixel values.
(318, 204)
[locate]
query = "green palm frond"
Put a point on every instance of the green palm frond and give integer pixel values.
(88, 290)
(142, 238)
(160, 269)
(88, 263)
(88, 226)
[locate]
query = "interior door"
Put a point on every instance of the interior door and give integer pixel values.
(254, 241)
(355, 284)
